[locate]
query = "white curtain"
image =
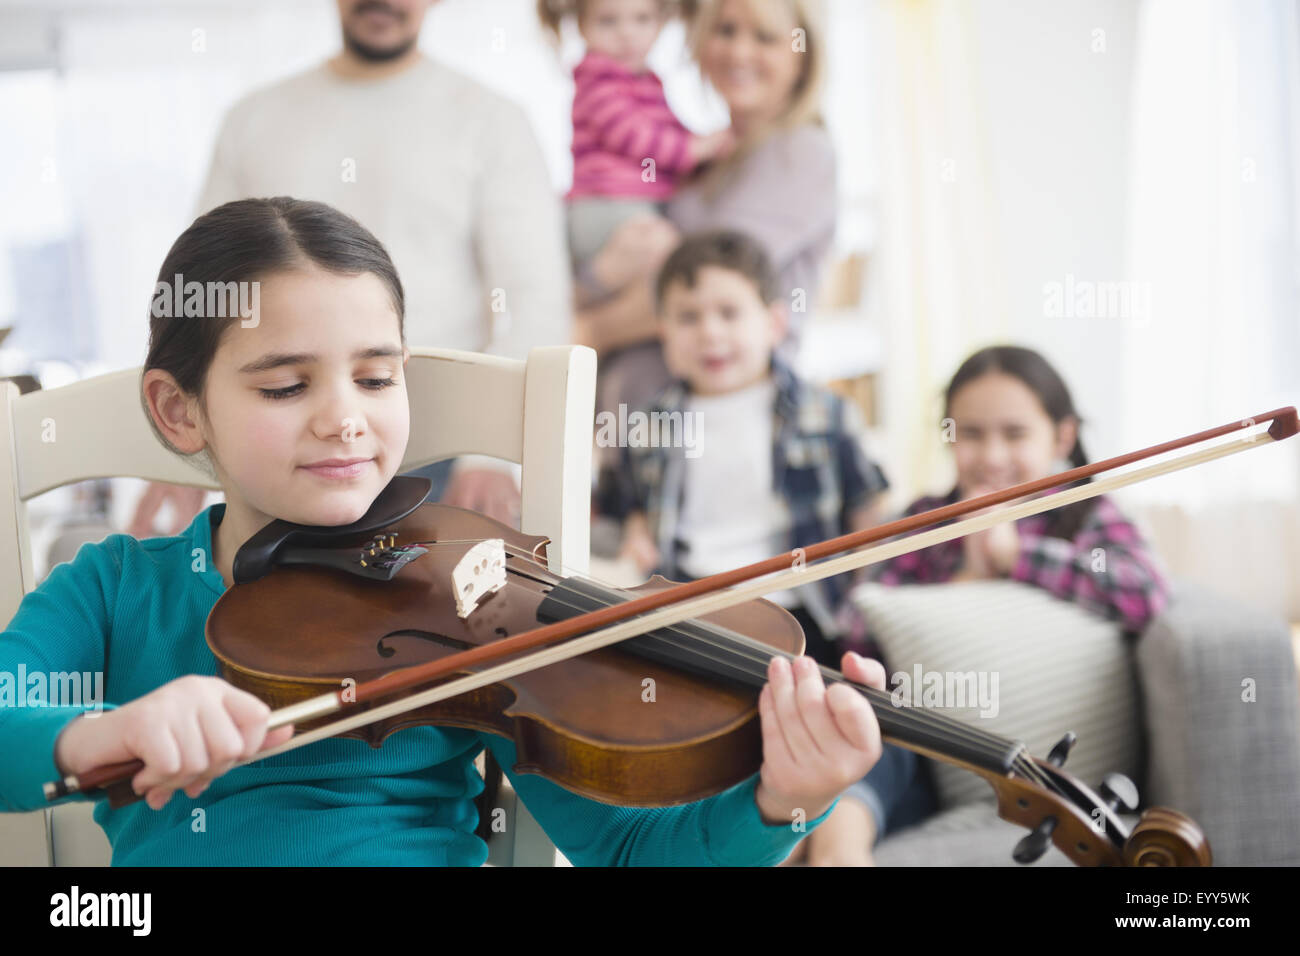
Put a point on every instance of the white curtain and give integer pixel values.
(941, 258)
(1214, 217)
(1154, 146)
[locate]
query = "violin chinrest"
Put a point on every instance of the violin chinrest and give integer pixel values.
(284, 542)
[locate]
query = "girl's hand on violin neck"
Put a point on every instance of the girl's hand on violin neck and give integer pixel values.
(816, 740)
(186, 733)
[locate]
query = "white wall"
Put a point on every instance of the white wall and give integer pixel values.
(1058, 138)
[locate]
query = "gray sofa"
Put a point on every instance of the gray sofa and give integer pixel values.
(1232, 765)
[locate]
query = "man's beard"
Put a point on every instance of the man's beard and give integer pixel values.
(376, 54)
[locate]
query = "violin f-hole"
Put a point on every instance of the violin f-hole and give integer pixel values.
(431, 636)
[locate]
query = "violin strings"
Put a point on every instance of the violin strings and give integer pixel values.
(759, 654)
(957, 729)
(757, 657)
(727, 650)
(732, 644)
(942, 724)
(755, 652)
(939, 723)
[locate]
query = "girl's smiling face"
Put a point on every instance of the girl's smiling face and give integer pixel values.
(320, 377)
(1004, 436)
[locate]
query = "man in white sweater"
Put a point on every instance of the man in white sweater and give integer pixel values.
(446, 173)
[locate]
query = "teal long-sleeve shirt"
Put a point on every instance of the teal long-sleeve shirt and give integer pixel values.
(134, 611)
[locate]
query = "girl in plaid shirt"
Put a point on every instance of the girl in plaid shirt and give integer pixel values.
(1012, 421)
(1010, 418)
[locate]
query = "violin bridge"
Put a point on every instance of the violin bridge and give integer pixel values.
(479, 573)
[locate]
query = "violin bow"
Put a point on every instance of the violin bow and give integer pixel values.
(1163, 837)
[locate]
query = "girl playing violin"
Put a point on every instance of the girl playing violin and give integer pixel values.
(299, 411)
(1010, 419)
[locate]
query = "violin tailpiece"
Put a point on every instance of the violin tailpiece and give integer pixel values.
(378, 560)
(283, 542)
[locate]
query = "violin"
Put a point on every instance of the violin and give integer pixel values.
(322, 620)
(585, 724)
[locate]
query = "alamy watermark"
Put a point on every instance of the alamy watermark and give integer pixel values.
(208, 300)
(1087, 299)
(129, 910)
(52, 689)
(948, 689)
(637, 429)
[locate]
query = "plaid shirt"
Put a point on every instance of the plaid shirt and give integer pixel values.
(1107, 568)
(819, 469)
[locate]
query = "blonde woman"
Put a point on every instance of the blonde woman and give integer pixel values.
(765, 59)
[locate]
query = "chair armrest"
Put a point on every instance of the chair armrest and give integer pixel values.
(523, 841)
(1220, 703)
(24, 839)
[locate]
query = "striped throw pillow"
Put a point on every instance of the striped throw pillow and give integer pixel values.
(1031, 666)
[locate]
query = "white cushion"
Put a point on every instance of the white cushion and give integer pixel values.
(1058, 668)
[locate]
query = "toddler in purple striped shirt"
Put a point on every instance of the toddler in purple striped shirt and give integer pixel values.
(1010, 419)
(629, 149)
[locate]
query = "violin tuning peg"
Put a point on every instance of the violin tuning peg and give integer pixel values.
(1035, 844)
(1062, 749)
(1119, 792)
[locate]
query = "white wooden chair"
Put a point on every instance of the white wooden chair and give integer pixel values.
(537, 413)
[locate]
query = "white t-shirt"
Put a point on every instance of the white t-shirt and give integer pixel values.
(447, 174)
(731, 514)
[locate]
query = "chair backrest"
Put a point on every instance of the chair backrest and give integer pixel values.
(537, 413)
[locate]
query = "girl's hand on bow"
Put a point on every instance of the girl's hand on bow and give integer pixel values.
(187, 732)
(816, 740)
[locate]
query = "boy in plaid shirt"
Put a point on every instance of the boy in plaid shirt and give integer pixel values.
(762, 462)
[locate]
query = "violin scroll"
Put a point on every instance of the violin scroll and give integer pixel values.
(1165, 837)
(1085, 826)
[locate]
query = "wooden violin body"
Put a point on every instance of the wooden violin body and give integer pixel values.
(607, 725)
